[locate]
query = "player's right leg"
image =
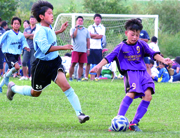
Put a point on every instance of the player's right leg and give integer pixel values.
(62, 82)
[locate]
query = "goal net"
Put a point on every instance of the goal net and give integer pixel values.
(114, 24)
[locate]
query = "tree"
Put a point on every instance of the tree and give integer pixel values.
(7, 9)
(105, 6)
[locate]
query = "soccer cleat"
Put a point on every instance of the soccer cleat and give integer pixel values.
(83, 118)
(23, 78)
(134, 127)
(10, 93)
(84, 79)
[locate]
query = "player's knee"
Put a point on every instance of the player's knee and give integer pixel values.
(65, 87)
(35, 94)
(148, 98)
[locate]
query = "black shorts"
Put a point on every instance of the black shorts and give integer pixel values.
(11, 59)
(95, 56)
(45, 71)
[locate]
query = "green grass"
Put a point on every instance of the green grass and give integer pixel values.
(51, 115)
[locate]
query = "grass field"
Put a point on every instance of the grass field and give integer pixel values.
(51, 115)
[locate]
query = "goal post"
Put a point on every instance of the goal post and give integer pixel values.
(114, 24)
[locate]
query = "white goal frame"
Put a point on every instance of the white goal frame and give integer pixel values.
(73, 15)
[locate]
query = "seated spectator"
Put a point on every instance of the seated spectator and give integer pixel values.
(176, 67)
(163, 75)
(154, 71)
(109, 70)
(66, 62)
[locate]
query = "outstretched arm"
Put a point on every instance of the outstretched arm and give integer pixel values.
(63, 28)
(56, 48)
(99, 66)
(166, 61)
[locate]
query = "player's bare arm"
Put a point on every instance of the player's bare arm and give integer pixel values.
(65, 47)
(98, 66)
(166, 61)
(63, 28)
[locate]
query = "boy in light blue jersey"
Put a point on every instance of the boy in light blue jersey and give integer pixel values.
(13, 42)
(48, 64)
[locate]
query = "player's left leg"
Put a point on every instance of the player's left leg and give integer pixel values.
(141, 110)
(6, 76)
(62, 82)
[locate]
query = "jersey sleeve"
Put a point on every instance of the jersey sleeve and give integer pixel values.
(148, 51)
(41, 41)
(24, 42)
(111, 56)
(3, 37)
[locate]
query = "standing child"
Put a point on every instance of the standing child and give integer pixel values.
(129, 55)
(13, 42)
(48, 64)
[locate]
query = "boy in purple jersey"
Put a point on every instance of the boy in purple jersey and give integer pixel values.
(129, 56)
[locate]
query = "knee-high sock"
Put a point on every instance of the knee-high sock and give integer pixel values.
(126, 102)
(74, 100)
(11, 71)
(141, 110)
(5, 79)
(23, 90)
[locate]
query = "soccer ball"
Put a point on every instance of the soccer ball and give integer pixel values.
(120, 123)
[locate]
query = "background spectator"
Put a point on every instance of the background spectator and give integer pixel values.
(81, 45)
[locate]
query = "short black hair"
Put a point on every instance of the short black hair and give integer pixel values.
(31, 17)
(68, 55)
(154, 39)
(79, 17)
(139, 20)
(134, 25)
(177, 59)
(3, 24)
(39, 8)
(97, 15)
(151, 61)
(15, 18)
(26, 21)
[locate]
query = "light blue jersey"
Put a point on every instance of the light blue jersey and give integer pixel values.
(13, 42)
(44, 38)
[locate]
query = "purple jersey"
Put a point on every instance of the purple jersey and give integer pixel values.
(130, 57)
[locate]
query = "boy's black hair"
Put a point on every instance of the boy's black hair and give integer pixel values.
(3, 24)
(162, 63)
(151, 61)
(26, 21)
(134, 25)
(68, 55)
(39, 8)
(15, 18)
(79, 17)
(31, 17)
(154, 39)
(177, 59)
(97, 15)
(139, 20)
